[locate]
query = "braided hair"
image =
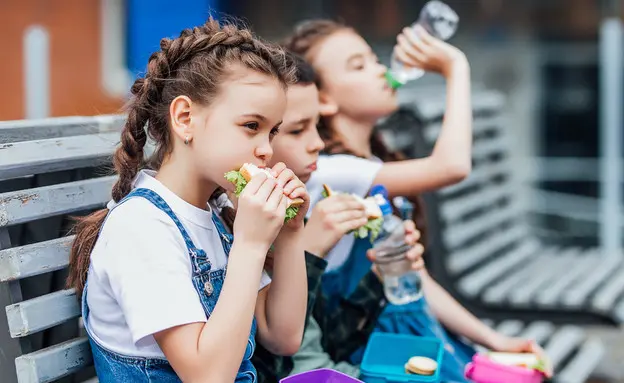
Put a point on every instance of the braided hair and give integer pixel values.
(195, 64)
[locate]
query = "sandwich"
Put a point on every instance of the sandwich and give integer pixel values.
(373, 213)
(241, 177)
(526, 360)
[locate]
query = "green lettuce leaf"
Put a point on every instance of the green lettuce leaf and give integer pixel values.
(370, 230)
(237, 179)
(291, 212)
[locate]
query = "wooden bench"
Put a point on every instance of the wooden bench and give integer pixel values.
(49, 169)
(483, 247)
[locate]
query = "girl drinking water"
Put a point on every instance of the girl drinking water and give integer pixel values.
(158, 304)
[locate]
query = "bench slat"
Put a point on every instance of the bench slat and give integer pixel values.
(539, 331)
(607, 296)
(497, 292)
(480, 125)
(465, 258)
(550, 294)
(32, 204)
(42, 156)
(579, 368)
(485, 148)
(605, 266)
(460, 206)
(458, 233)
(54, 362)
(481, 174)
(510, 327)
(563, 342)
(38, 258)
(553, 267)
(474, 282)
(39, 129)
(37, 314)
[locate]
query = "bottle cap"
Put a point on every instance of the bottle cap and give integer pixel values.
(393, 82)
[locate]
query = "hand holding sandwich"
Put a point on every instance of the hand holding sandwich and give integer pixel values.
(331, 219)
(294, 190)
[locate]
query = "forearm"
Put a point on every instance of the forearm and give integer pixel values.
(454, 144)
(287, 298)
(453, 315)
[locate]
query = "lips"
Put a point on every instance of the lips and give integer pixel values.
(312, 167)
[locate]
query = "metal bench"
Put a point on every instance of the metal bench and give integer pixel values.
(49, 169)
(484, 249)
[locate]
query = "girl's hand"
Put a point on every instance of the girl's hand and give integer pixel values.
(412, 235)
(261, 211)
(504, 343)
(419, 49)
(331, 219)
(293, 188)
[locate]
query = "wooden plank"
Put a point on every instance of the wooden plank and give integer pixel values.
(618, 312)
(510, 327)
(501, 290)
(539, 331)
(39, 129)
(480, 126)
(552, 267)
(551, 294)
(465, 258)
(54, 362)
(458, 233)
(474, 282)
(605, 266)
(37, 314)
(579, 368)
(486, 148)
(456, 208)
(38, 258)
(481, 174)
(433, 105)
(41, 156)
(612, 290)
(563, 343)
(32, 204)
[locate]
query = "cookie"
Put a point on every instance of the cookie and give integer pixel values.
(421, 365)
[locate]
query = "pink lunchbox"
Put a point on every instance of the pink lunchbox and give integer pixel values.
(483, 370)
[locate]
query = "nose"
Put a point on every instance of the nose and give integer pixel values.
(317, 143)
(264, 152)
(381, 69)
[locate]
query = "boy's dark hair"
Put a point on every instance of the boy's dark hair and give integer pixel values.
(304, 73)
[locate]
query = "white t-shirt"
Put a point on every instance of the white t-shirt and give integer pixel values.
(140, 272)
(347, 174)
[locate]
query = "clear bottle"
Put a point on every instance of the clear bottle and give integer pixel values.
(402, 285)
(440, 21)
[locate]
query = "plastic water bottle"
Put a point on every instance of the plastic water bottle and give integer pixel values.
(402, 285)
(440, 21)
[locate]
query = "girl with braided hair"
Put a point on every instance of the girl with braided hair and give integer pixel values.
(150, 269)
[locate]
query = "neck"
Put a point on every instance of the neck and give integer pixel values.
(355, 133)
(185, 182)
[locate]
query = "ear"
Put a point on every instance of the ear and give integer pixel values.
(328, 107)
(180, 112)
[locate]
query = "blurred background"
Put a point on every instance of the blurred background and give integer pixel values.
(78, 57)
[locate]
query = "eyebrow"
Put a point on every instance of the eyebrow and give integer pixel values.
(256, 115)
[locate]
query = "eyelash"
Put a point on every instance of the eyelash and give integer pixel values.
(252, 125)
(296, 132)
(274, 131)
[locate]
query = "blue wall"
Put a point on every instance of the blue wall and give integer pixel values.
(150, 20)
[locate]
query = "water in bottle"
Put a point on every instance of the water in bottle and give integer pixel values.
(402, 285)
(440, 21)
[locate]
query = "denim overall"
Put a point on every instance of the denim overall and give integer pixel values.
(414, 318)
(113, 368)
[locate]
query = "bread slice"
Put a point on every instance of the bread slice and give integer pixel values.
(421, 365)
(370, 205)
(250, 170)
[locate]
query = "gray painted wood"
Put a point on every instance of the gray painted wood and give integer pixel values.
(39, 129)
(550, 295)
(458, 233)
(481, 174)
(34, 315)
(485, 148)
(539, 331)
(41, 156)
(473, 283)
(39, 258)
(54, 362)
(580, 367)
(510, 327)
(32, 204)
(612, 290)
(479, 126)
(575, 296)
(467, 257)
(563, 343)
(471, 202)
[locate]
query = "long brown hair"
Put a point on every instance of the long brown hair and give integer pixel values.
(194, 64)
(307, 36)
